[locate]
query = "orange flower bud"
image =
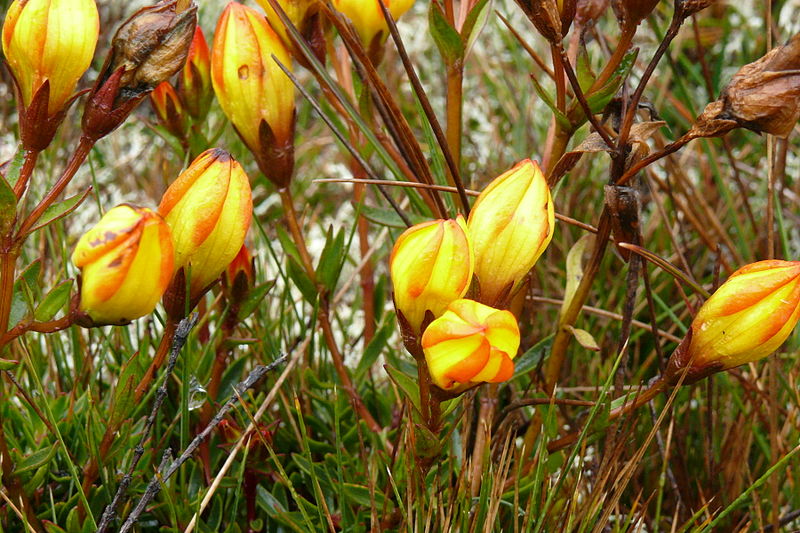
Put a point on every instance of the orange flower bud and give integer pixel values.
(126, 264)
(208, 208)
(367, 16)
(195, 88)
(50, 41)
(471, 343)
(253, 91)
(48, 45)
(745, 320)
(239, 275)
(169, 109)
(510, 226)
(430, 266)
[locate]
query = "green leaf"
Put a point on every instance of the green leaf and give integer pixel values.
(14, 168)
(231, 376)
(532, 357)
(476, 20)
(584, 338)
(599, 99)
(36, 459)
(330, 261)
(388, 217)
(447, 39)
(287, 244)
(8, 364)
(574, 269)
(374, 349)
(8, 206)
(583, 69)
(21, 302)
(298, 275)
(360, 495)
(61, 209)
(253, 299)
(405, 383)
(123, 403)
(560, 117)
(427, 444)
(54, 301)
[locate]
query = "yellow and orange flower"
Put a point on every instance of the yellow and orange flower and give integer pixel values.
(430, 266)
(208, 208)
(510, 226)
(367, 16)
(50, 41)
(195, 88)
(745, 320)
(253, 91)
(471, 343)
(126, 264)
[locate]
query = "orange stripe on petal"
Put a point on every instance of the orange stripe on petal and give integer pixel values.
(471, 365)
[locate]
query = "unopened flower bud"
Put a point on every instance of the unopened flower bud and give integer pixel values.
(149, 48)
(253, 91)
(471, 343)
(195, 88)
(367, 16)
(745, 320)
(48, 44)
(431, 265)
(510, 226)
(208, 208)
(126, 264)
(240, 275)
(632, 12)
(545, 16)
(169, 109)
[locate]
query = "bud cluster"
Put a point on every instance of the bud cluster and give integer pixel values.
(178, 108)
(434, 265)
(134, 254)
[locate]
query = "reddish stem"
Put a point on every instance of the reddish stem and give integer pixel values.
(25, 173)
(78, 157)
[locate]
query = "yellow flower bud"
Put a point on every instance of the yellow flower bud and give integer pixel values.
(126, 264)
(367, 16)
(510, 226)
(208, 209)
(430, 265)
(253, 91)
(745, 320)
(471, 343)
(195, 88)
(50, 40)
(296, 10)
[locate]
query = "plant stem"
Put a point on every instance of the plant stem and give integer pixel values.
(324, 320)
(12, 484)
(158, 359)
(625, 40)
(655, 388)
(8, 261)
(25, 173)
(455, 87)
(562, 337)
(78, 157)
